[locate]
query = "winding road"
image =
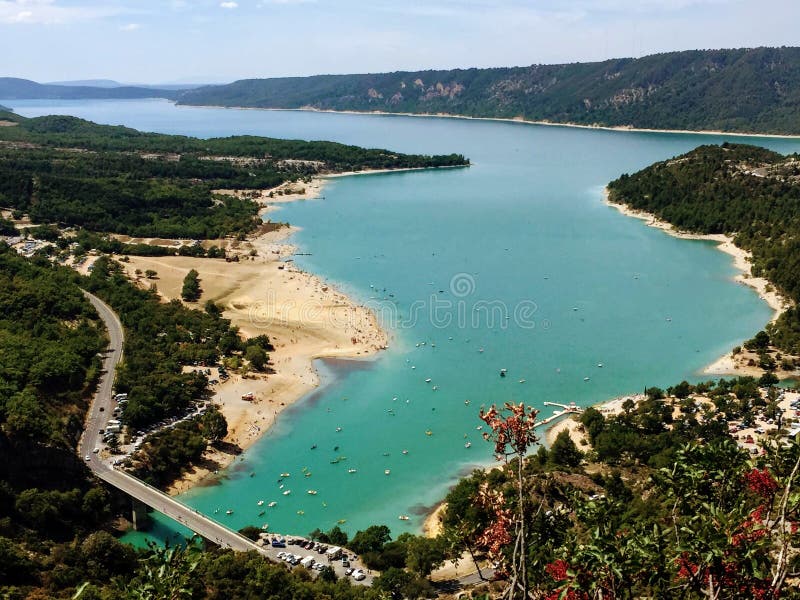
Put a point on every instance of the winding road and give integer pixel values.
(100, 410)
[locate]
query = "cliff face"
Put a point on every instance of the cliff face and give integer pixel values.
(735, 90)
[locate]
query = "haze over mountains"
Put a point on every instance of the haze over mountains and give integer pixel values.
(742, 90)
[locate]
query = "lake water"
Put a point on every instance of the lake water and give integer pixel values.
(516, 256)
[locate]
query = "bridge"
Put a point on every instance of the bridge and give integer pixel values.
(141, 492)
(137, 489)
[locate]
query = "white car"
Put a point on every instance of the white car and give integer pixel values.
(358, 575)
(96, 450)
(87, 458)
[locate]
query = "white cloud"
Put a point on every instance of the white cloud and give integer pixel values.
(49, 12)
(228, 5)
(130, 27)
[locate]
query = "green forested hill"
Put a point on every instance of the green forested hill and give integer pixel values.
(745, 90)
(12, 88)
(115, 179)
(745, 191)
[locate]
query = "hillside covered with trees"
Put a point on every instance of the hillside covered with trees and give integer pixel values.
(65, 170)
(748, 90)
(748, 192)
(661, 502)
(13, 88)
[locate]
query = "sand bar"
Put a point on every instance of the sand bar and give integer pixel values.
(304, 317)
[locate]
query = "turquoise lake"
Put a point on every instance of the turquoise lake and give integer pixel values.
(516, 255)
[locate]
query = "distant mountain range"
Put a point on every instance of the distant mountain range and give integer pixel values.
(110, 83)
(743, 90)
(12, 88)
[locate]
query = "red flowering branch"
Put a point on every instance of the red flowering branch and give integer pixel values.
(513, 433)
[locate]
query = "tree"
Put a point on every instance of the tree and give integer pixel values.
(564, 452)
(513, 433)
(150, 273)
(191, 287)
(371, 539)
(424, 554)
(215, 426)
(337, 537)
(257, 358)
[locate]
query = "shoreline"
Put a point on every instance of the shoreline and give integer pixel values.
(520, 120)
(304, 316)
(726, 364)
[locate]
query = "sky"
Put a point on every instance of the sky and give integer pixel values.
(215, 41)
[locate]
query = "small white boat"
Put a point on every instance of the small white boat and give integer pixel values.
(522, 381)
(413, 367)
(260, 503)
(468, 445)
(272, 504)
(312, 492)
(436, 387)
(428, 432)
(586, 379)
(480, 350)
(428, 380)
(301, 512)
(338, 429)
(286, 475)
(265, 526)
(287, 492)
(403, 517)
(386, 472)
(229, 512)
(466, 402)
(351, 470)
(599, 365)
(405, 451)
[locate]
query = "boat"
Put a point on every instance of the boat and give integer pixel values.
(308, 474)
(480, 350)
(403, 517)
(261, 514)
(436, 387)
(265, 526)
(287, 492)
(503, 372)
(301, 512)
(260, 503)
(338, 429)
(522, 381)
(334, 461)
(387, 472)
(599, 365)
(229, 512)
(314, 447)
(468, 445)
(428, 432)
(428, 380)
(312, 492)
(466, 402)
(285, 475)
(405, 451)
(342, 521)
(586, 379)
(272, 504)
(351, 470)
(413, 367)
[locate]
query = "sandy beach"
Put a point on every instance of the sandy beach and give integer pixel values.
(725, 365)
(265, 293)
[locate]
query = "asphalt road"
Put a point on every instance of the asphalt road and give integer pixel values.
(99, 413)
